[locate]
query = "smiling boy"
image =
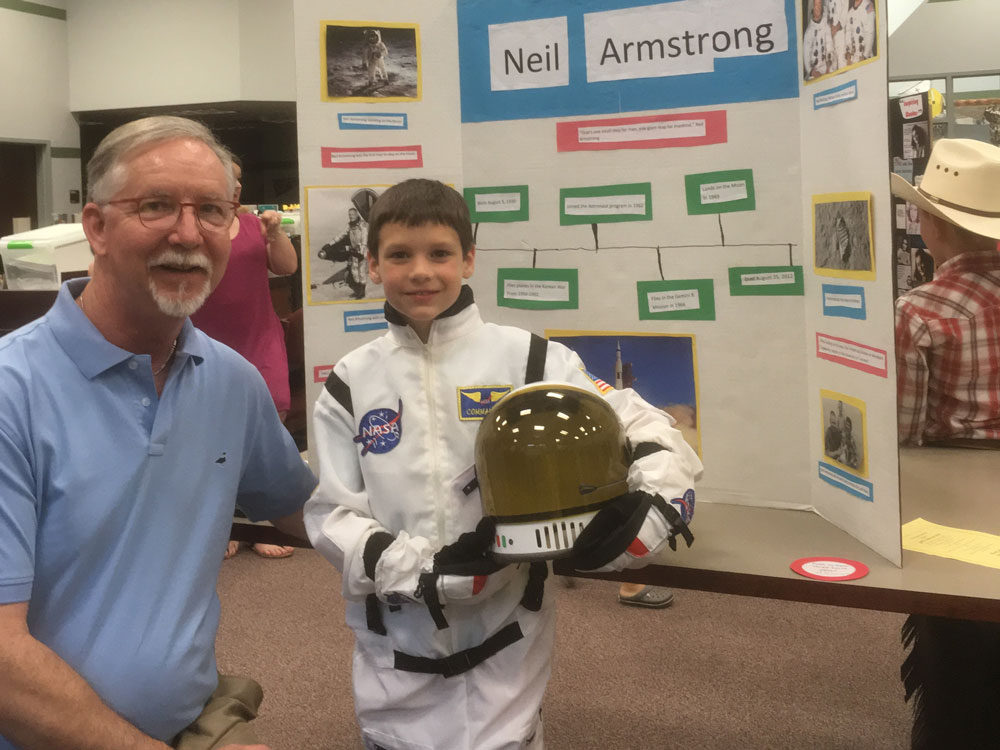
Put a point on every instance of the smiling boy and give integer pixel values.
(395, 429)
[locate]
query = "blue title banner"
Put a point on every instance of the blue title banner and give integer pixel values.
(526, 59)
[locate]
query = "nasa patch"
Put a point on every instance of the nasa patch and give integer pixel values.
(685, 505)
(475, 401)
(380, 430)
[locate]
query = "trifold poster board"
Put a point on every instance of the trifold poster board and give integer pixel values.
(676, 190)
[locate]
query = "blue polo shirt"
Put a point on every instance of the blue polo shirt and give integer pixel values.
(116, 504)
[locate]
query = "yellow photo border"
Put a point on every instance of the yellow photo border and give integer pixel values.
(852, 66)
(307, 249)
(860, 405)
(550, 332)
(324, 93)
(841, 198)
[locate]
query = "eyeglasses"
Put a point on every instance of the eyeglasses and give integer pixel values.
(162, 213)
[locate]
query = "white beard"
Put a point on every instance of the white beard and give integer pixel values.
(183, 305)
(185, 301)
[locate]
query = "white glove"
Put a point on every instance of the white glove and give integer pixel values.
(399, 567)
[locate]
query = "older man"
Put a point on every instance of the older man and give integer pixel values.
(126, 436)
(948, 330)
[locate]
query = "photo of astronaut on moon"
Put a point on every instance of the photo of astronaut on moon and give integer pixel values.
(660, 368)
(842, 235)
(371, 62)
(336, 249)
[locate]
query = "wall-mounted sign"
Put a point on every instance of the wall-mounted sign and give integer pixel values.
(538, 288)
(606, 204)
(689, 299)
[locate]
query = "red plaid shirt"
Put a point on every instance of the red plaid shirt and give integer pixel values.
(948, 352)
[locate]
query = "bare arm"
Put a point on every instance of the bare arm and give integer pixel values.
(291, 524)
(45, 705)
(281, 258)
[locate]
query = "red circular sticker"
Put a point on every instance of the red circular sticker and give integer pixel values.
(830, 568)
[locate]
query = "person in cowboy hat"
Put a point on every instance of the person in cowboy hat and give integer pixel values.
(948, 377)
(948, 330)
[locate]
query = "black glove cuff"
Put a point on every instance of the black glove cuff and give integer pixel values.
(374, 548)
(611, 531)
(466, 556)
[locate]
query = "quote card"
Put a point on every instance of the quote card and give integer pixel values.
(846, 481)
(842, 301)
(720, 192)
(852, 354)
(766, 281)
(497, 204)
(364, 320)
(606, 204)
(690, 299)
(538, 288)
(374, 157)
(651, 131)
(836, 95)
(366, 121)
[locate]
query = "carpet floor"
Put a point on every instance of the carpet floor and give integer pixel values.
(712, 672)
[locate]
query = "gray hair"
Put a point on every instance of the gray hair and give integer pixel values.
(106, 169)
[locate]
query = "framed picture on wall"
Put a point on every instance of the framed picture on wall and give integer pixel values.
(843, 239)
(335, 253)
(845, 432)
(370, 61)
(661, 367)
(837, 35)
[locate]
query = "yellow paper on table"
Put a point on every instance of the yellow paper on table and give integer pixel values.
(968, 546)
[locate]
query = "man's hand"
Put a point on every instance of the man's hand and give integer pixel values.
(270, 225)
(281, 256)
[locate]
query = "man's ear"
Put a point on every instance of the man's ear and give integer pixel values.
(94, 227)
(373, 273)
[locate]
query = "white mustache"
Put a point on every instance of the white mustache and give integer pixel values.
(174, 258)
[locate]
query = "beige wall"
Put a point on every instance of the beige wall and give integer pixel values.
(34, 90)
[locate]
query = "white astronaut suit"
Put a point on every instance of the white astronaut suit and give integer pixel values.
(836, 11)
(410, 411)
(860, 29)
(818, 54)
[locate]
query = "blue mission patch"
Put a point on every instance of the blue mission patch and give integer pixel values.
(685, 505)
(380, 430)
(475, 401)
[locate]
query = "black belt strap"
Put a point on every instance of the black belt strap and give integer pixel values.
(463, 661)
(534, 589)
(537, 349)
(428, 591)
(676, 522)
(373, 614)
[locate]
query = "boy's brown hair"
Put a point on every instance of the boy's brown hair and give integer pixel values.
(416, 202)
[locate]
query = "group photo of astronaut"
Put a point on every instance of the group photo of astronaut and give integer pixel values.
(837, 35)
(660, 368)
(844, 432)
(337, 244)
(376, 61)
(842, 235)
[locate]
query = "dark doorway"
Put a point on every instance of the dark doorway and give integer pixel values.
(18, 184)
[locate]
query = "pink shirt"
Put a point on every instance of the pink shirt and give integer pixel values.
(239, 312)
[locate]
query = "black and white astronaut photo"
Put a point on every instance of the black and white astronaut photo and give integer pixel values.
(338, 245)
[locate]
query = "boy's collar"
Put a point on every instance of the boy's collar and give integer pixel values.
(465, 298)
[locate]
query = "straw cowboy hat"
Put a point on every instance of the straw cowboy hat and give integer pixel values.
(961, 185)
